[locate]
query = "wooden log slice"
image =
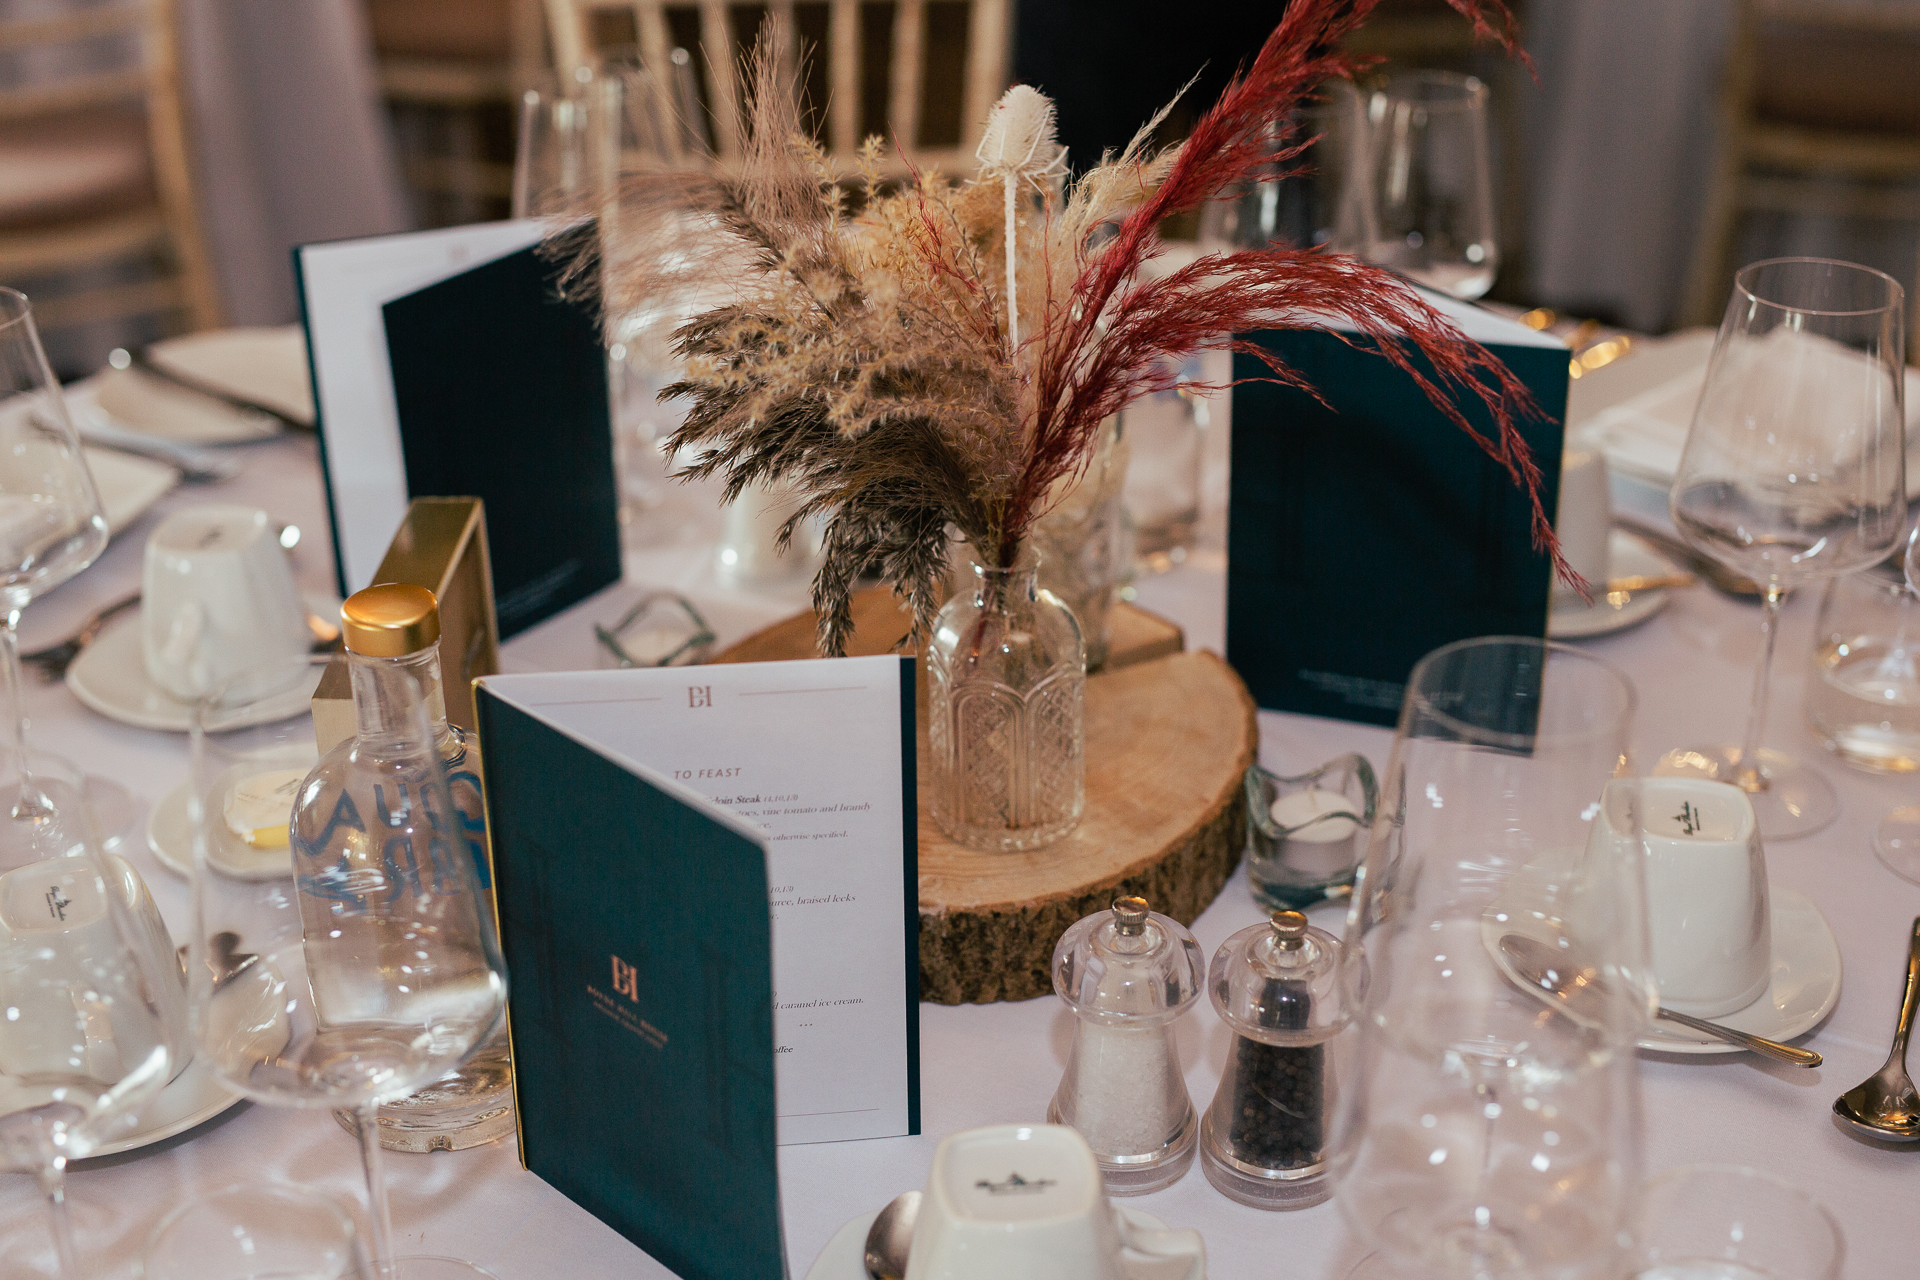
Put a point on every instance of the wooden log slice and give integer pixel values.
(1169, 739)
(1168, 745)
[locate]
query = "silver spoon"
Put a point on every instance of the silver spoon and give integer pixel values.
(890, 1237)
(1584, 991)
(1885, 1105)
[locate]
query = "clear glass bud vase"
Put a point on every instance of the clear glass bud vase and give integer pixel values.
(1006, 692)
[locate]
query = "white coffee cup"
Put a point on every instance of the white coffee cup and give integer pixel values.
(56, 910)
(1025, 1202)
(1708, 917)
(217, 597)
(1584, 522)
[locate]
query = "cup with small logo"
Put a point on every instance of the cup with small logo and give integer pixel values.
(217, 597)
(1025, 1202)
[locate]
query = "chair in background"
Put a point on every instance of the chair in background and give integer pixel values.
(451, 71)
(1820, 116)
(922, 73)
(95, 185)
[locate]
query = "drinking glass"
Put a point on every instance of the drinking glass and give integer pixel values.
(1794, 470)
(51, 527)
(1432, 181)
(1490, 1129)
(358, 980)
(255, 1231)
(1896, 842)
(1722, 1222)
(84, 983)
(1326, 201)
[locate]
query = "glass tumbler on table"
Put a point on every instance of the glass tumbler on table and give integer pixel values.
(1489, 1129)
(94, 1013)
(1794, 470)
(1896, 841)
(342, 956)
(1723, 1222)
(1863, 689)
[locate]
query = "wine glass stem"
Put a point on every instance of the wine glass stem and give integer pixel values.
(53, 1181)
(377, 1211)
(30, 805)
(1747, 774)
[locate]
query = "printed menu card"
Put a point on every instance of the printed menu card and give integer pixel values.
(707, 892)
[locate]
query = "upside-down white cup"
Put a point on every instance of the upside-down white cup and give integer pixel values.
(1584, 522)
(217, 596)
(1708, 917)
(1025, 1202)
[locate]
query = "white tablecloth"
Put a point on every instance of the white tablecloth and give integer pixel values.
(984, 1064)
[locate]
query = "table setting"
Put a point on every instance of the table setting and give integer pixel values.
(940, 844)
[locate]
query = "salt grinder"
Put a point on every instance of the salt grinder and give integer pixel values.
(1263, 1141)
(1127, 974)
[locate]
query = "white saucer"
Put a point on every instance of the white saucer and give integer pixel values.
(1631, 558)
(1805, 978)
(845, 1254)
(110, 676)
(170, 840)
(194, 1097)
(1805, 983)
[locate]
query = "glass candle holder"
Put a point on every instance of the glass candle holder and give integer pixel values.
(1307, 834)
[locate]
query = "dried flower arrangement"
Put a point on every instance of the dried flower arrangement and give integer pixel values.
(946, 355)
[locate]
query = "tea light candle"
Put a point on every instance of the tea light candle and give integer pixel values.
(1325, 847)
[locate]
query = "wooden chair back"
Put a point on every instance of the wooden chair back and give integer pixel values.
(867, 64)
(166, 226)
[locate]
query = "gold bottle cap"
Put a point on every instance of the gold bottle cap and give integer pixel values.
(1290, 927)
(1130, 916)
(391, 620)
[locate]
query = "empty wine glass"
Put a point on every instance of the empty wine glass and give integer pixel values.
(51, 527)
(95, 1014)
(1327, 199)
(1490, 1130)
(1432, 181)
(342, 956)
(1794, 470)
(1896, 842)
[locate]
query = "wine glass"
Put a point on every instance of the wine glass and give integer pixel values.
(1327, 201)
(1432, 181)
(1489, 1129)
(1794, 470)
(1896, 842)
(342, 956)
(51, 527)
(92, 992)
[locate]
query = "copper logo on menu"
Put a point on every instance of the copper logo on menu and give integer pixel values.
(699, 695)
(626, 980)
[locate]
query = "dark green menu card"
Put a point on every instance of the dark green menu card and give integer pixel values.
(1364, 530)
(706, 880)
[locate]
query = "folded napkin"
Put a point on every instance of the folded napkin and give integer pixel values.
(267, 366)
(1643, 434)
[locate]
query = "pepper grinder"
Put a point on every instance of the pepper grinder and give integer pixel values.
(1127, 974)
(1263, 1142)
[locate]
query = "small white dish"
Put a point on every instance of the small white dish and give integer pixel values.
(1569, 619)
(194, 1097)
(1804, 974)
(128, 485)
(1805, 983)
(844, 1258)
(170, 840)
(110, 676)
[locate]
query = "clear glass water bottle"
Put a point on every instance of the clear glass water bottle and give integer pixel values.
(1263, 1141)
(1006, 695)
(392, 638)
(1128, 974)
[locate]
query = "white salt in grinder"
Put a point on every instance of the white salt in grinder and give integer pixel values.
(1128, 974)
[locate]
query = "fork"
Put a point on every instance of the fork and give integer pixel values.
(52, 662)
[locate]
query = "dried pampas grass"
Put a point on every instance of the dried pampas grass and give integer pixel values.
(945, 354)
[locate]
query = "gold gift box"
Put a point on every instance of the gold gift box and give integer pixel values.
(442, 546)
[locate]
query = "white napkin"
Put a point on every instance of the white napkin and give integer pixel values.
(267, 366)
